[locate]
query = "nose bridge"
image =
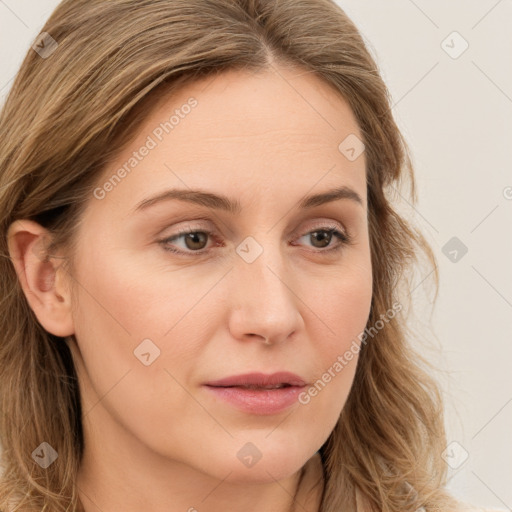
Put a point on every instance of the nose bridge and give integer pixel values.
(263, 302)
(262, 266)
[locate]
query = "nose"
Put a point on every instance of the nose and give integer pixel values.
(264, 305)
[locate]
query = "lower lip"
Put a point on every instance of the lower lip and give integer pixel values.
(255, 401)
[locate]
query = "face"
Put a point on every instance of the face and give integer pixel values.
(180, 292)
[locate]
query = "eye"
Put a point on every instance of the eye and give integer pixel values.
(323, 236)
(195, 240)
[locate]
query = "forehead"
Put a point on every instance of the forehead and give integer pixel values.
(240, 130)
(240, 102)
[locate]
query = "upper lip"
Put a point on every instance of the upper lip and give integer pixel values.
(259, 379)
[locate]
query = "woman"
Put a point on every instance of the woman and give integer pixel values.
(143, 368)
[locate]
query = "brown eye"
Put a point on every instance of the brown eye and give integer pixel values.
(194, 242)
(321, 238)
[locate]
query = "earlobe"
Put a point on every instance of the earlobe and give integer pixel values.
(40, 276)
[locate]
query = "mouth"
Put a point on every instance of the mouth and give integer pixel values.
(258, 393)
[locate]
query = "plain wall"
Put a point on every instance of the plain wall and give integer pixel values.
(456, 114)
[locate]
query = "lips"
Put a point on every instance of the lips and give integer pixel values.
(259, 381)
(258, 393)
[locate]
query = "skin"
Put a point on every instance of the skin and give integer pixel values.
(156, 439)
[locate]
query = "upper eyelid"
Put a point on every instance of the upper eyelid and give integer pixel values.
(318, 224)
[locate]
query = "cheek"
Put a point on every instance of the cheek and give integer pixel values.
(122, 303)
(343, 305)
(127, 297)
(118, 312)
(342, 312)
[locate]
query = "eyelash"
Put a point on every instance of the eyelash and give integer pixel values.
(344, 240)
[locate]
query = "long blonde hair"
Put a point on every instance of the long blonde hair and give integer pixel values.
(69, 112)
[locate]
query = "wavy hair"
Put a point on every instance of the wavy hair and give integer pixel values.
(67, 114)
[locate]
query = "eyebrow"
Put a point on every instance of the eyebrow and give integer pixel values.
(233, 206)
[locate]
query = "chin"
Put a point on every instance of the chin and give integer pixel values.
(270, 463)
(263, 473)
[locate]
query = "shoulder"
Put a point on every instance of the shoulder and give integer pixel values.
(462, 506)
(480, 509)
(467, 507)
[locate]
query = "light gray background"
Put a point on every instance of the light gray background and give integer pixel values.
(456, 114)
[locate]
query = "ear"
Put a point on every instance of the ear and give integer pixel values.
(44, 283)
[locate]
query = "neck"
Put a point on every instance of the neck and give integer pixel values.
(119, 473)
